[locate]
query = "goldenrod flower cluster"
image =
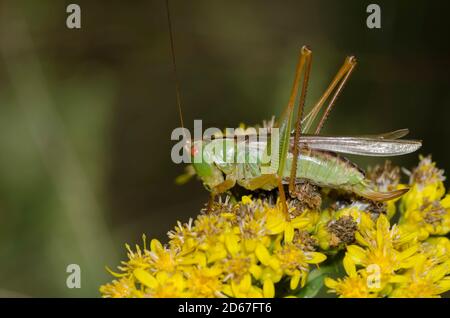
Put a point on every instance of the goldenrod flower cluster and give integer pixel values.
(353, 247)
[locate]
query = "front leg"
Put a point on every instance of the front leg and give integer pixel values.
(264, 182)
(224, 186)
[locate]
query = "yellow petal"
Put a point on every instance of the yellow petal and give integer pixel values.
(145, 278)
(246, 199)
(274, 264)
(300, 222)
(445, 202)
(275, 224)
(288, 233)
(118, 275)
(137, 294)
(303, 279)
(409, 262)
(262, 254)
(330, 283)
(357, 253)
(349, 266)
(382, 229)
(178, 281)
(198, 258)
(161, 277)
(246, 283)
(249, 245)
(213, 271)
(315, 258)
(438, 272)
(242, 288)
(268, 289)
(398, 279)
(269, 273)
(360, 239)
(231, 243)
(295, 280)
(235, 290)
(444, 285)
(216, 252)
(408, 252)
(255, 292)
(155, 245)
(227, 290)
(255, 270)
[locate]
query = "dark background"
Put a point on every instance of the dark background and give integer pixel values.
(86, 115)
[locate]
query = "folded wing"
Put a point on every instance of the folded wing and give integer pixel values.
(365, 146)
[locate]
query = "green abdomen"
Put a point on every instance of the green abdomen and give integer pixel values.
(324, 169)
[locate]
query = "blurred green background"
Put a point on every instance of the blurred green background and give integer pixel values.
(86, 115)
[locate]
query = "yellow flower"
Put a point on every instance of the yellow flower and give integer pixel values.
(205, 282)
(424, 208)
(121, 288)
(430, 275)
(251, 248)
(426, 172)
(182, 237)
(336, 229)
(354, 285)
(242, 288)
(277, 222)
(161, 285)
(436, 249)
(246, 199)
(321, 232)
(208, 229)
(424, 280)
(252, 228)
(294, 262)
(289, 260)
(426, 182)
(380, 249)
(362, 219)
(237, 267)
(431, 218)
(161, 258)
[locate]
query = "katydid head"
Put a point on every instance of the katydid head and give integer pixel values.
(195, 151)
(206, 171)
(204, 166)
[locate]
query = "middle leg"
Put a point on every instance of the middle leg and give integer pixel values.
(287, 118)
(298, 123)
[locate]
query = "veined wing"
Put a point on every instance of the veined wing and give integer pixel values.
(396, 134)
(380, 145)
(365, 146)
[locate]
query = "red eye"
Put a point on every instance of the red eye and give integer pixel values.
(194, 150)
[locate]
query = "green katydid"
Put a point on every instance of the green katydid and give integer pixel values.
(301, 156)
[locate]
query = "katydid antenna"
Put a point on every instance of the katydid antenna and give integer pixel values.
(174, 65)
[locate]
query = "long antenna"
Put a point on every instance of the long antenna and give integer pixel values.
(174, 64)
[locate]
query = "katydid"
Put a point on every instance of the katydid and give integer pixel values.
(302, 156)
